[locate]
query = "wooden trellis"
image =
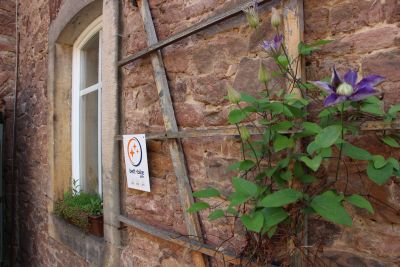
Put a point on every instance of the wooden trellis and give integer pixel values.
(293, 20)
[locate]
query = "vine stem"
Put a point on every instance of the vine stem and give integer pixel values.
(341, 144)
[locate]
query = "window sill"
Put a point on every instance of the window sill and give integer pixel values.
(90, 247)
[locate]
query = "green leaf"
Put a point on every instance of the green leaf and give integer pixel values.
(237, 198)
(394, 163)
(328, 136)
(360, 202)
(236, 116)
(312, 147)
(314, 163)
(234, 166)
(283, 163)
(281, 198)
(307, 179)
(379, 161)
(394, 109)
(244, 186)
(305, 49)
(272, 231)
(208, 192)
(375, 109)
(312, 127)
(247, 98)
(379, 176)
(273, 216)
(355, 152)
(253, 223)
(325, 112)
(282, 126)
(283, 61)
(246, 165)
(198, 206)
(216, 214)
(298, 169)
(326, 152)
(328, 206)
(287, 175)
(390, 141)
(232, 211)
(282, 142)
(372, 100)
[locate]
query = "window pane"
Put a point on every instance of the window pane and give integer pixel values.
(89, 142)
(90, 62)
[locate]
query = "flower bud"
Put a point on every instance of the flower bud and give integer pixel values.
(263, 75)
(233, 95)
(252, 16)
(344, 89)
(275, 17)
(244, 133)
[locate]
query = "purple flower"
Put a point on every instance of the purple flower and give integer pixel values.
(273, 46)
(348, 89)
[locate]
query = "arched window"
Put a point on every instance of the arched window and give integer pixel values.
(86, 110)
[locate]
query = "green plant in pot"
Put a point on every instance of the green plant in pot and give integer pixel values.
(82, 209)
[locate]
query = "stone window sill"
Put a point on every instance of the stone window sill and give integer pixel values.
(90, 247)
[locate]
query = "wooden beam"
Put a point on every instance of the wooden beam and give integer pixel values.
(175, 147)
(199, 132)
(183, 241)
(293, 24)
(380, 125)
(192, 30)
(232, 131)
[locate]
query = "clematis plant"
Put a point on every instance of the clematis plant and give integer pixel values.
(274, 46)
(282, 175)
(341, 90)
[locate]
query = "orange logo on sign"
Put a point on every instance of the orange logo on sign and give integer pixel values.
(134, 150)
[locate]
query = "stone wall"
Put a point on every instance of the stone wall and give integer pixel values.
(7, 84)
(367, 38)
(198, 68)
(36, 248)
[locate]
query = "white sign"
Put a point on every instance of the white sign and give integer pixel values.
(137, 169)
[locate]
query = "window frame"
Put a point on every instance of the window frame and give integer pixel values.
(77, 93)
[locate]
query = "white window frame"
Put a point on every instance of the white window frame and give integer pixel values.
(94, 28)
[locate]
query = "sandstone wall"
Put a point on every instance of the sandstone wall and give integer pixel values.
(36, 248)
(199, 69)
(7, 83)
(367, 38)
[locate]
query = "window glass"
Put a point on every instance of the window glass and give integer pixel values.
(90, 62)
(86, 115)
(89, 142)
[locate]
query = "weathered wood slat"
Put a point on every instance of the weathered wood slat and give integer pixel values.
(184, 241)
(380, 125)
(175, 147)
(192, 30)
(195, 133)
(293, 22)
(232, 131)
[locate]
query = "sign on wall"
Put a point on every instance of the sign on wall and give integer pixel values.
(135, 154)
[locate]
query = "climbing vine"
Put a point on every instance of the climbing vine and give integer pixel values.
(287, 136)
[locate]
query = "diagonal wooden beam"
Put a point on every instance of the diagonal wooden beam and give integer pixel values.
(223, 255)
(193, 29)
(175, 147)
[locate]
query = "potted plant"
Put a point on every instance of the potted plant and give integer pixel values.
(83, 210)
(95, 216)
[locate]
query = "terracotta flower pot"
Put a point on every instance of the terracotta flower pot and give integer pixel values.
(96, 225)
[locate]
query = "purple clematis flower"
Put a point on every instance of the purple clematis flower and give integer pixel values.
(348, 89)
(273, 46)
